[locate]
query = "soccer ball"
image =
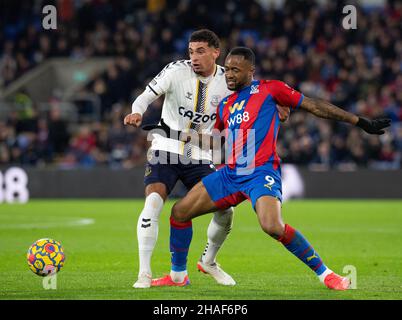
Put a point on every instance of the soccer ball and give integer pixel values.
(45, 257)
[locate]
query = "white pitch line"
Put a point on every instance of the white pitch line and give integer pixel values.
(73, 223)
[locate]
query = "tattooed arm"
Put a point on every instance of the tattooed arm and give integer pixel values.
(326, 110)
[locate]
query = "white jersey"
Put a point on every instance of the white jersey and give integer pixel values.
(190, 103)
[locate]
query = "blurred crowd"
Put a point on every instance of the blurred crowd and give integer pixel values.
(301, 42)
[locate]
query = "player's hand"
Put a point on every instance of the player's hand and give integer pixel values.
(134, 119)
(373, 126)
(284, 112)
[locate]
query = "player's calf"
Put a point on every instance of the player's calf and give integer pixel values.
(180, 238)
(218, 230)
(147, 231)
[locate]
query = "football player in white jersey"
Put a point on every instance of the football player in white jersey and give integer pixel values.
(193, 89)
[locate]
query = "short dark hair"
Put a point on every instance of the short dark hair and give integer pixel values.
(245, 52)
(205, 35)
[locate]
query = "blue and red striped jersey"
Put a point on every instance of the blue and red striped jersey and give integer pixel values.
(251, 122)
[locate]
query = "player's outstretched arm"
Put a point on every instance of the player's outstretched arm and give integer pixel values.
(160, 85)
(139, 106)
(326, 110)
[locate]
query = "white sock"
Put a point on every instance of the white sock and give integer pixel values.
(147, 231)
(218, 230)
(178, 276)
(324, 274)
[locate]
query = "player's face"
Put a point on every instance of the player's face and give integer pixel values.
(203, 58)
(238, 72)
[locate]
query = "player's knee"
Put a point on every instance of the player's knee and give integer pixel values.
(275, 230)
(224, 217)
(158, 188)
(179, 214)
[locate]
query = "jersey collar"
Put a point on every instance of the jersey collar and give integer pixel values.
(253, 83)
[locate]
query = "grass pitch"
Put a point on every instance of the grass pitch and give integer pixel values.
(99, 239)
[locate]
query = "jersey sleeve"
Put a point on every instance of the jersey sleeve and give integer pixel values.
(162, 82)
(141, 103)
(285, 95)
